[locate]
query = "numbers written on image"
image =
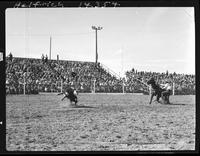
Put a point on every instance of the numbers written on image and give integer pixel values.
(99, 4)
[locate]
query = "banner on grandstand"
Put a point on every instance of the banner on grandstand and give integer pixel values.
(1, 56)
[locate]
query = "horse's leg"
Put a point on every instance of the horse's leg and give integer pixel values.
(158, 97)
(168, 98)
(63, 98)
(151, 98)
(76, 101)
(163, 98)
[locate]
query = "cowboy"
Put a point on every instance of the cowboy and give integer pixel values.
(167, 90)
(71, 94)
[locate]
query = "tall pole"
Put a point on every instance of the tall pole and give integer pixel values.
(96, 52)
(96, 29)
(96, 60)
(50, 49)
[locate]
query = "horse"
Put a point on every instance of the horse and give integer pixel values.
(157, 91)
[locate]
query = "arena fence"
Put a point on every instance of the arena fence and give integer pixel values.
(26, 87)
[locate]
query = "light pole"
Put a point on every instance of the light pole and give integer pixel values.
(96, 59)
(96, 28)
(50, 49)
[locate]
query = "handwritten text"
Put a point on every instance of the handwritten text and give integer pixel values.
(38, 4)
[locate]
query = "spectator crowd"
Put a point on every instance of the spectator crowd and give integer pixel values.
(182, 83)
(43, 75)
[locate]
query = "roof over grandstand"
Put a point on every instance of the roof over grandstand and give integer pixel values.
(145, 38)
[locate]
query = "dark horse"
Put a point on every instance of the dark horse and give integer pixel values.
(157, 91)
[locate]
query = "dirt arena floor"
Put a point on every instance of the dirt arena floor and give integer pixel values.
(101, 122)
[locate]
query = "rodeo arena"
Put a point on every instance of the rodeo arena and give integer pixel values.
(55, 104)
(61, 105)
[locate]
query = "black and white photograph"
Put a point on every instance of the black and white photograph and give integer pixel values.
(100, 79)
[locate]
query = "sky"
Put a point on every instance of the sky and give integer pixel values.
(153, 39)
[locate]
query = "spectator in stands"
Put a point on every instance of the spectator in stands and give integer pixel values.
(10, 57)
(42, 58)
(46, 59)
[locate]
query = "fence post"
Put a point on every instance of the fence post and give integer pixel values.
(24, 85)
(61, 89)
(94, 85)
(123, 85)
(173, 88)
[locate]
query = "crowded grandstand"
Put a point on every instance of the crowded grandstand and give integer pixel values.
(31, 76)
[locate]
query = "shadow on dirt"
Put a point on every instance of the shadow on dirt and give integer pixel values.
(82, 106)
(178, 104)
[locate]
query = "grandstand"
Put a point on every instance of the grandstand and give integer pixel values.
(31, 76)
(33, 72)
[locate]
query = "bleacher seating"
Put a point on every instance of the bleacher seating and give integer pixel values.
(40, 76)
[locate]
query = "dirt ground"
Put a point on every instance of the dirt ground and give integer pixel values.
(100, 122)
